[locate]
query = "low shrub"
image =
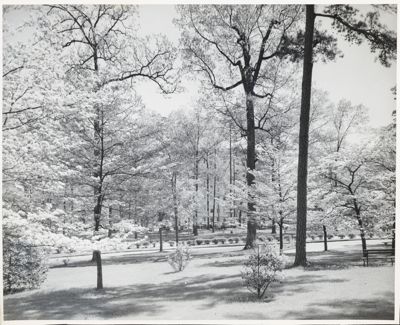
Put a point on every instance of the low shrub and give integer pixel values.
(222, 240)
(320, 236)
(24, 266)
(263, 267)
(199, 241)
(137, 245)
(145, 244)
(312, 237)
(330, 236)
(230, 240)
(206, 241)
(351, 236)
(236, 239)
(215, 241)
(171, 243)
(243, 239)
(179, 259)
(341, 236)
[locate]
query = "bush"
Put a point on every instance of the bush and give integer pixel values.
(145, 244)
(320, 236)
(24, 266)
(222, 240)
(341, 236)
(207, 241)
(351, 236)
(171, 243)
(236, 240)
(199, 241)
(263, 267)
(244, 239)
(215, 241)
(312, 237)
(230, 240)
(330, 236)
(179, 258)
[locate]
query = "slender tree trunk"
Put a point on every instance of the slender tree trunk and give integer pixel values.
(281, 232)
(301, 258)
(230, 170)
(273, 226)
(208, 193)
(110, 221)
(161, 248)
(214, 189)
(234, 182)
(214, 195)
(251, 164)
(325, 239)
(393, 235)
(196, 187)
(175, 202)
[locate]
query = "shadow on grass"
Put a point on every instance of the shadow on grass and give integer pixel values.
(136, 300)
(350, 309)
(148, 300)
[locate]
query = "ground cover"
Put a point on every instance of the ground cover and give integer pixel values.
(335, 286)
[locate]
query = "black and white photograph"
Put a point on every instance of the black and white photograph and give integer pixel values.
(190, 163)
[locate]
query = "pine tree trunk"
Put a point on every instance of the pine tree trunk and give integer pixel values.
(251, 164)
(301, 258)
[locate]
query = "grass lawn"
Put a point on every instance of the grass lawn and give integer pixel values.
(335, 286)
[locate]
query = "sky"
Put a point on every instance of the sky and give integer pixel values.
(356, 77)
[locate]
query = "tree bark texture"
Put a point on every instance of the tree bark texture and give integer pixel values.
(301, 258)
(251, 164)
